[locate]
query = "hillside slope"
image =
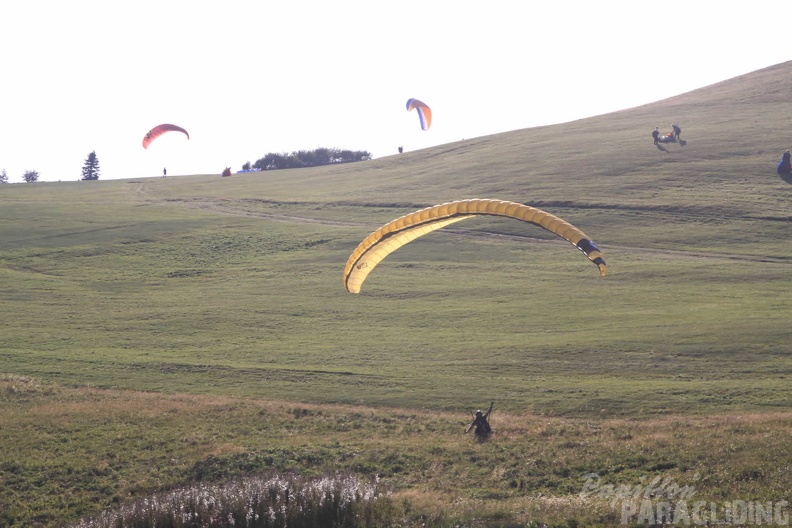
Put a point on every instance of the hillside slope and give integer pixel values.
(197, 283)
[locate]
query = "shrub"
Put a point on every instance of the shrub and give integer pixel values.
(257, 502)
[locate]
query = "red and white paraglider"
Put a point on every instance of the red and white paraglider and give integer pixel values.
(158, 130)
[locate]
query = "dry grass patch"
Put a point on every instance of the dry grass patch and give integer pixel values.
(96, 448)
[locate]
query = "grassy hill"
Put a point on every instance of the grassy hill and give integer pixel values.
(227, 293)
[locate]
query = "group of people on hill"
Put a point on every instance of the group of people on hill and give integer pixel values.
(671, 137)
(784, 167)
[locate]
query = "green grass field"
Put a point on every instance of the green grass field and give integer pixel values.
(160, 331)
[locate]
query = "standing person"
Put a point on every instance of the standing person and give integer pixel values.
(164, 172)
(656, 134)
(676, 131)
(481, 423)
(785, 165)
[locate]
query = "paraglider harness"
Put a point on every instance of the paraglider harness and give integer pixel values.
(481, 424)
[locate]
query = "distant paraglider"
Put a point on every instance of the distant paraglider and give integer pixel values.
(423, 110)
(157, 131)
(393, 235)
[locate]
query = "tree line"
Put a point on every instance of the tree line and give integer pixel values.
(307, 158)
(90, 171)
(272, 161)
(29, 176)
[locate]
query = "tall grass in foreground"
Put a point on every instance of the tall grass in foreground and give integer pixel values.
(340, 500)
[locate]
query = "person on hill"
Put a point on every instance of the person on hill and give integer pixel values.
(675, 130)
(481, 424)
(785, 165)
(164, 171)
(656, 134)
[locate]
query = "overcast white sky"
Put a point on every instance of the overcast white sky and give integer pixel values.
(250, 77)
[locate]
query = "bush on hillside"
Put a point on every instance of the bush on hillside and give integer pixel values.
(30, 176)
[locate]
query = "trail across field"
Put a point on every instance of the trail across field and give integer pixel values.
(230, 209)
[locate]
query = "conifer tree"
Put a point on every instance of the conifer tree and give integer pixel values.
(90, 170)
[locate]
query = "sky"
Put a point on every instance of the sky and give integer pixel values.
(250, 77)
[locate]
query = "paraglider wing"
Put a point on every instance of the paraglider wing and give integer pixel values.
(393, 235)
(158, 130)
(424, 112)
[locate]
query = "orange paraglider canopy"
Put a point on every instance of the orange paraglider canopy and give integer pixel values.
(158, 130)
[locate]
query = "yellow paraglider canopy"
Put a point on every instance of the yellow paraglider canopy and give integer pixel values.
(393, 235)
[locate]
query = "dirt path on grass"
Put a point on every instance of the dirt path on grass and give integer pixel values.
(234, 211)
(467, 233)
